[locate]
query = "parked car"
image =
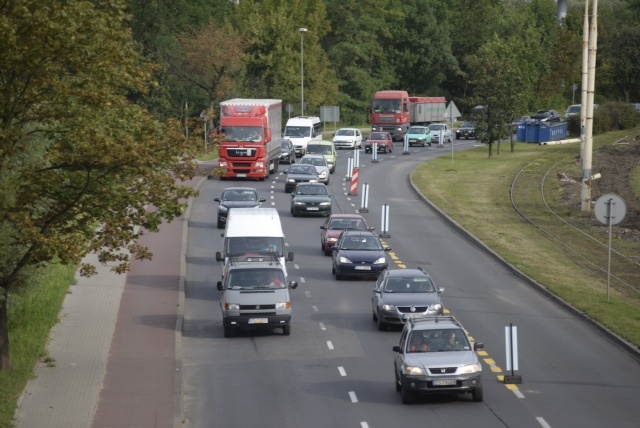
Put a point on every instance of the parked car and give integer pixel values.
(573, 110)
(359, 253)
(401, 294)
(326, 149)
(382, 139)
(466, 131)
(441, 133)
(287, 152)
(310, 199)
(320, 164)
(548, 116)
(236, 197)
(419, 136)
(299, 174)
(335, 224)
(349, 138)
(436, 356)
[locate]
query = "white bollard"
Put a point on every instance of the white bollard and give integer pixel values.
(349, 169)
(405, 145)
(364, 206)
(374, 153)
(384, 230)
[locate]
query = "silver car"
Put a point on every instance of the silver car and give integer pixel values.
(320, 164)
(402, 294)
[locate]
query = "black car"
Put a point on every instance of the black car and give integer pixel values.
(466, 131)
(548, 116)
(300, 174)
(287, 152)
(311, 199)
(236, 197)
(359, 253)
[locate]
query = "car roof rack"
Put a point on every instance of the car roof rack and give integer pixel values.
(435, 319)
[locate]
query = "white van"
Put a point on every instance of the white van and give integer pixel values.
(300, 130)
(253, 232)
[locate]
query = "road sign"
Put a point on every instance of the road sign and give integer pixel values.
(452, 111)
(610, 209)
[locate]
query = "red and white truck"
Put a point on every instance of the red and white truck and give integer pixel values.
(251, 133)
(395, 111)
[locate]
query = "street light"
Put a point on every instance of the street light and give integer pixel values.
(302, 31)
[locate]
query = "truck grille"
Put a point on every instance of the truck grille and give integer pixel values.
(241, 153)
(386, 119)
(256, 307)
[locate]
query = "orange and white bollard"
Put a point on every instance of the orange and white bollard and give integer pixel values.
(354, 183)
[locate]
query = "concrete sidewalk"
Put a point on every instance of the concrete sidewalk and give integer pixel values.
(117, 349)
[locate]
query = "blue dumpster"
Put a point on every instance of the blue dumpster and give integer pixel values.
(541, 132)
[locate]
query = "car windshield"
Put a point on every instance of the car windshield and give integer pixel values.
(285, 144)
(239, 195)
(256, 279)
(344, 224)
(319, 161)
(311, 190)
(302, 169)
(261, 245)
(346, 132)
(468, 125)
(318, 149)
(417, 130)
(440, 340)
(297, 131)
(375, 136)
(436, 127)
(409, 285)
(574, 109)
(366, 243)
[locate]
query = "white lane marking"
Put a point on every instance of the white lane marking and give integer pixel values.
(295, 265)
(302, 279)
(307, 293)
(315, 308)
(518, 393)
(542, 422)
(353, 397)
(322, 327)
(329, 344)
(342, 371)
(364, 425)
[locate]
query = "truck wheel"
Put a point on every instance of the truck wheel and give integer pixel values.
(286, 330)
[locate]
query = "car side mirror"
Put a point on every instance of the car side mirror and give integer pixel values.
(478, 345)
(262, 200)
(219, 257)
(397, 348)
(219, 285)
(372, 228)
(217, 199)
(440, 290)
(293, 285)
(335, 248)
(290, 256)
(387, 249)
(323, 227)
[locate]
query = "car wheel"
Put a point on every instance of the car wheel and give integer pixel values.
(220, 225)
(477, 394)
(293, 214)
(375, 316)
(398, 384)
(407, 396)
(286, 330)
(381, 325)
(328, 180)
(228, 332)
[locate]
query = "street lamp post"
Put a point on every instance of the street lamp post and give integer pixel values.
(302, 32)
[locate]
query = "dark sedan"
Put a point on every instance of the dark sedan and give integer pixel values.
(310, 199)
(236, 197)
(359, 253)
(382, 140)
(287, 152)
(466, 131)
(299, 174)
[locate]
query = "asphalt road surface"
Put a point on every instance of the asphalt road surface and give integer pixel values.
(336, 368)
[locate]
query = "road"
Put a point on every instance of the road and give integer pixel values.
(336, 368)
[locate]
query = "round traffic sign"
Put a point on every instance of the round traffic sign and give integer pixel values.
(610, 209)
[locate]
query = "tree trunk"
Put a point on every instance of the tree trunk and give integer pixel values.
(490, 144)
(5, 361)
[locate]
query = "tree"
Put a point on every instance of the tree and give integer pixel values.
(623, 57)
(80, 165)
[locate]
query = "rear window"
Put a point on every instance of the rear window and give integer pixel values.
(320, 149)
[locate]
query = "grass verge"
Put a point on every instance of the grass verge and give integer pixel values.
(33, 311)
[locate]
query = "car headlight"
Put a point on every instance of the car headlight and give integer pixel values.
(323, 174)
(332, 239)
(223, 164)
(470, 368)
(259, 164)
(414, 371)
(388, 308)
(232, 306)
(325, 204)
(281, 306)
(343, 259)
(298, 203)
(291, 180)
(313, 181)
(223, 209)
(380, 261)
(436, 307)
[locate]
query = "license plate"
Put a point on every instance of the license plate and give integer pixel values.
(313, 208)
(258, 321)
(407, 316)
(241, 175)
(444, 382)
(363, 267)
(412, 141)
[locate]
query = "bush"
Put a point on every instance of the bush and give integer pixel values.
(614, 116)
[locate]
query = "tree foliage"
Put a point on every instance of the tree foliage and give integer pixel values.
(80, 164)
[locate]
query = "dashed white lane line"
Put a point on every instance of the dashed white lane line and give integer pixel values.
(329, 344)
(302, 279)
(315, 308)
(542, 422)
(307, 293)
(342, 371)
(353, 397)
(364, 425)
(296, 266)
(322, 327)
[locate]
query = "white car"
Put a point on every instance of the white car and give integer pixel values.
(349, 138)
(441, 133)
(319, 162)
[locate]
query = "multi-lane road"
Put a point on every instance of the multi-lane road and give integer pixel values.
(336, 368)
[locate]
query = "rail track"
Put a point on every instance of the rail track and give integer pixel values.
(573, 232)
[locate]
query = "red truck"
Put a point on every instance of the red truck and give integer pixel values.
(251, 133)
(395, 111)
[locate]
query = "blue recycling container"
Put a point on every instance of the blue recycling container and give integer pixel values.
(541, 132)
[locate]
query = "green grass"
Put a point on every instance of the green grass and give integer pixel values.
(33, 311)
(475, 191)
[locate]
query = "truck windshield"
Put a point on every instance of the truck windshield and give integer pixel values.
(297, 131)
(261, 245)
(256, 279)
(242, 133)
(386, 106)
